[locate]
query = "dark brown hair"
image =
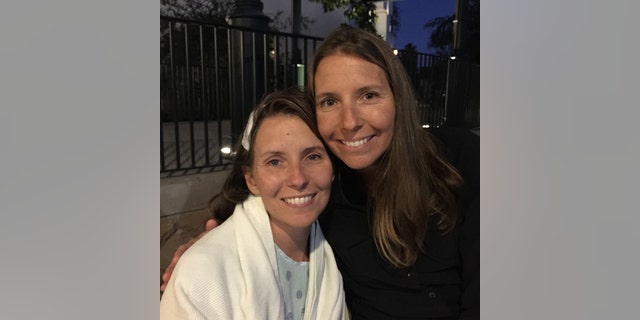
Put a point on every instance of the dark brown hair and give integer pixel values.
(413, 180)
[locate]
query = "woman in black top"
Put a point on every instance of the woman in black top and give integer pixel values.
(403, 225)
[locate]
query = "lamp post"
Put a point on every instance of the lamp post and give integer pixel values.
(247, 60)
(248, 14)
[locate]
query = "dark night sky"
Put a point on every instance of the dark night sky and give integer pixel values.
(413, 16)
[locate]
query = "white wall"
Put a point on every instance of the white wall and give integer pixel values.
(384, 10)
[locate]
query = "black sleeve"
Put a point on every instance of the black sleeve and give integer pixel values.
(470, 260)
(468, 163)
(462, 149)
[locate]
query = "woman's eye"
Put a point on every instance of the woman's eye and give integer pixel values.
(369, 95)
(314, 157)
(273, 162)
(328, 103)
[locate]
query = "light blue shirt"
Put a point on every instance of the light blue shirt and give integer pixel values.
(294, 278)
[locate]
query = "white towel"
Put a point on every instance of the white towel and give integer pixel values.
(232, 273)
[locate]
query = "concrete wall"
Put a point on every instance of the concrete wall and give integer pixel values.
(183, 212)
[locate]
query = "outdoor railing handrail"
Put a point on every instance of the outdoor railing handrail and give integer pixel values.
(199, 102)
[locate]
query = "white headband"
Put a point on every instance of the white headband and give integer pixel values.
(246, 136)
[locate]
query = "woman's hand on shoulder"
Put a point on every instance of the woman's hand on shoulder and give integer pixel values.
(209, 225)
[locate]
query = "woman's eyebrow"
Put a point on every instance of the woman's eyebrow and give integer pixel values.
(318, 148)
(269, 153)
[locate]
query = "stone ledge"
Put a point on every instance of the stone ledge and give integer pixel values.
(183, 212)
(189, 193)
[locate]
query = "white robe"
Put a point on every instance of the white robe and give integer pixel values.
(232, 273)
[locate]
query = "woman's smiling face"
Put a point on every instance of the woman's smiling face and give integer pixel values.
(291, 171)
(355, 109)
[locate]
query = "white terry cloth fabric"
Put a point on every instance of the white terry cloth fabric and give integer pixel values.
(232, 273)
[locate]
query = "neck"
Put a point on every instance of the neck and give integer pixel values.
(368, 175)
(294, 242)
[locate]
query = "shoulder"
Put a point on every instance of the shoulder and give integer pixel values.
(456, 142)
(210, 254)
(461, 147)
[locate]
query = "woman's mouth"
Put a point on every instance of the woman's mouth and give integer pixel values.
(357, 143)
(297, 201)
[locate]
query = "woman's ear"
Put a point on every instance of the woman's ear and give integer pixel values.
(250, 181)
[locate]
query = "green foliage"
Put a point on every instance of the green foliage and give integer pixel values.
(278, 23)
(363, 13)
(360, 11)
(410, 47)
(441, 37)
(331, 5)
(204, 10)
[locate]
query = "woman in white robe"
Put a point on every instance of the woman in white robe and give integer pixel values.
(279, 184)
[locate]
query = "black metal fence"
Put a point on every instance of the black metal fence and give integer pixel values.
(211, 76)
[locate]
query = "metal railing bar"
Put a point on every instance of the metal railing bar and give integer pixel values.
(205, 105)
(173, 95)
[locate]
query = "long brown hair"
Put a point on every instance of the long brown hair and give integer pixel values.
(292, 101)
(413, 180)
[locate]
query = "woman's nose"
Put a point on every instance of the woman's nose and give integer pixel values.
(297, 178)
(349, 118)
